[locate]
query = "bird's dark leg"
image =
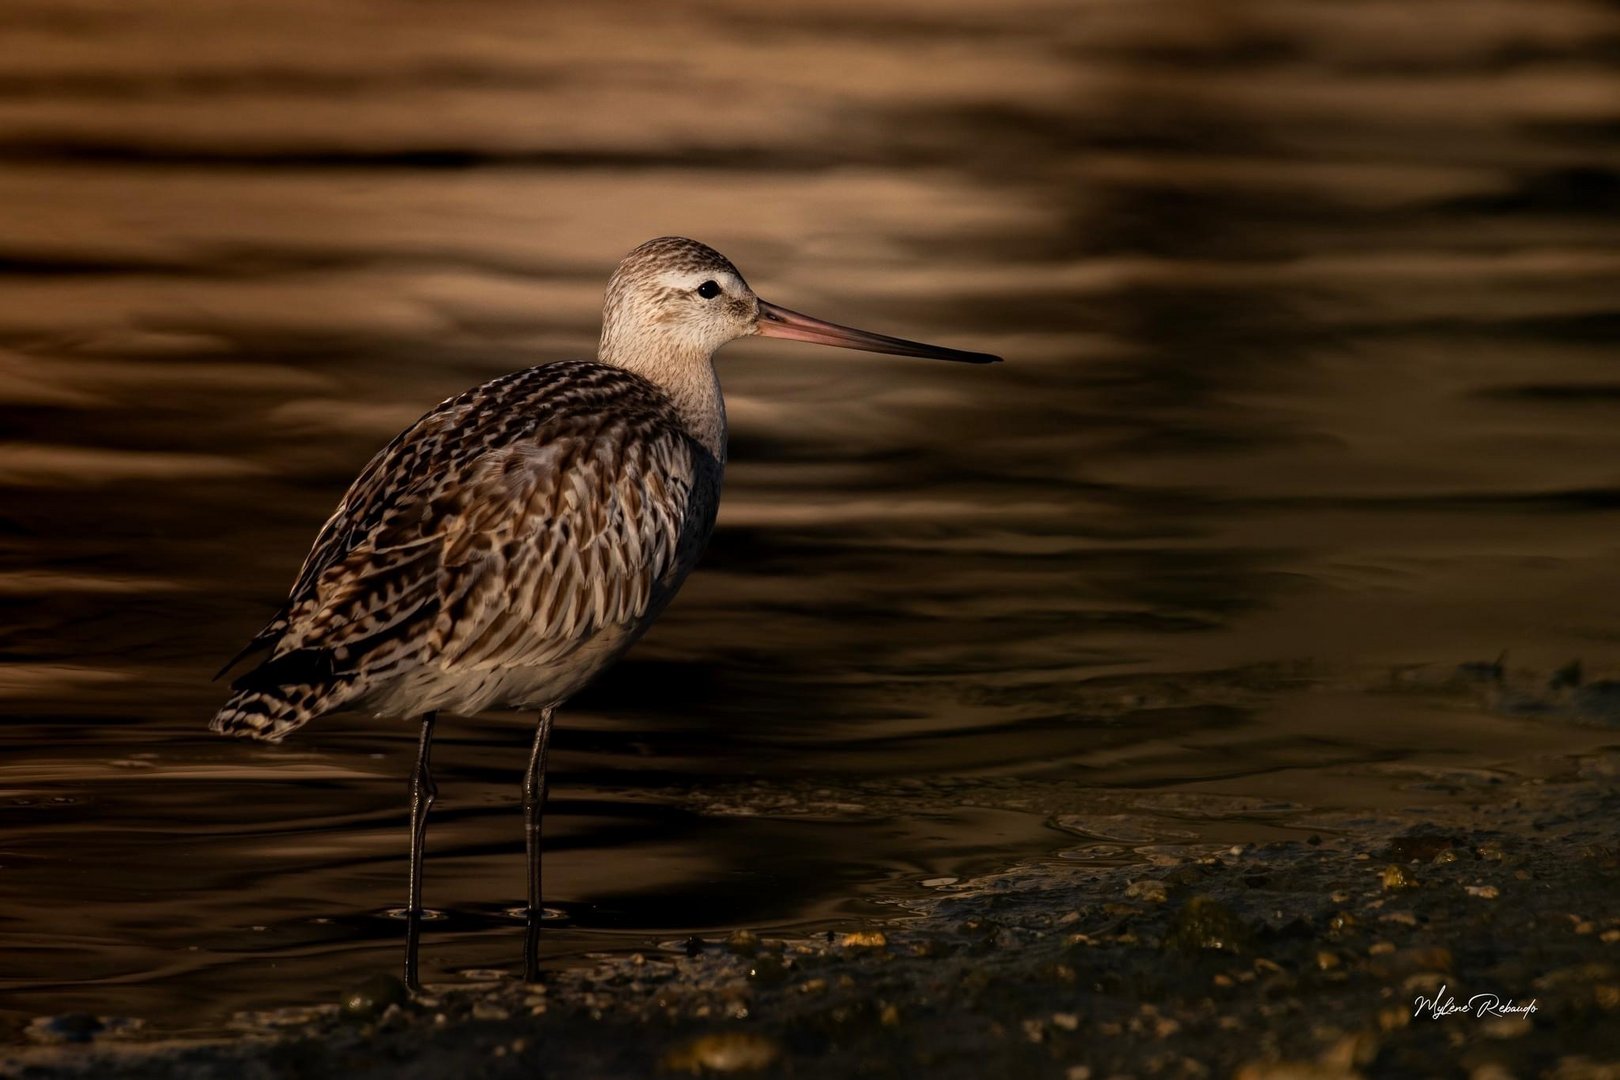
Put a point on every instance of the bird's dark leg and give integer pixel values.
(534, 802)
(423, 789)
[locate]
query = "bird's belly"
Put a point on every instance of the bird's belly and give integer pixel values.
(468, 689)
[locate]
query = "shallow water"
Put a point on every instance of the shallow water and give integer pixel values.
(1309, 311)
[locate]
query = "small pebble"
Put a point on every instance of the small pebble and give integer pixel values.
(1396, 877)
(370, 997)
(1147, 889)
(724, 1052)
(1206, 924)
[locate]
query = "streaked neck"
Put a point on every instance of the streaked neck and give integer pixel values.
(688, 379)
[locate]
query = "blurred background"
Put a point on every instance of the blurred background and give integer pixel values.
(1309, 416)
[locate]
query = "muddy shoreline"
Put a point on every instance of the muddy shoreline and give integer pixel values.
(1298, 957)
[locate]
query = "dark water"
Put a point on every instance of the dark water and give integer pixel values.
(1312, 395)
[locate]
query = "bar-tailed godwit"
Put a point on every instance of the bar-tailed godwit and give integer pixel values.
(518, 538)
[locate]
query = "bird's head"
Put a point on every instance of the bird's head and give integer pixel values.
(684, 299)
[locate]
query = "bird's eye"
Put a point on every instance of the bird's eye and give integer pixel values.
(709, 290)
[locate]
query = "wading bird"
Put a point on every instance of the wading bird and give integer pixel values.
(513, 542)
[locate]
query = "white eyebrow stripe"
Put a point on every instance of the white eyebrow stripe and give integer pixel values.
(691, 279)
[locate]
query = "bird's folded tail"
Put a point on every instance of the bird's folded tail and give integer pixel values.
(282, 695)
(271, 715)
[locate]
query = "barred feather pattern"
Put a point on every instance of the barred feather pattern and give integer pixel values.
(499, 552)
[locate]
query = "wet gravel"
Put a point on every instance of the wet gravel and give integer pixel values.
(1298, 958)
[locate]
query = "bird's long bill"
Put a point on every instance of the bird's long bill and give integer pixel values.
(779, 322)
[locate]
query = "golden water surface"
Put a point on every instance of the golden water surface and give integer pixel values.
(1311, 396)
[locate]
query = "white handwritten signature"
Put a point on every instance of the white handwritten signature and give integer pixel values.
(1480, 1005)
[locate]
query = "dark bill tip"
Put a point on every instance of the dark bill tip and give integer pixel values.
(779, 322)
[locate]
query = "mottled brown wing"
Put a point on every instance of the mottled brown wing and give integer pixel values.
(487, 537)
(390, 484)
(558, 542)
